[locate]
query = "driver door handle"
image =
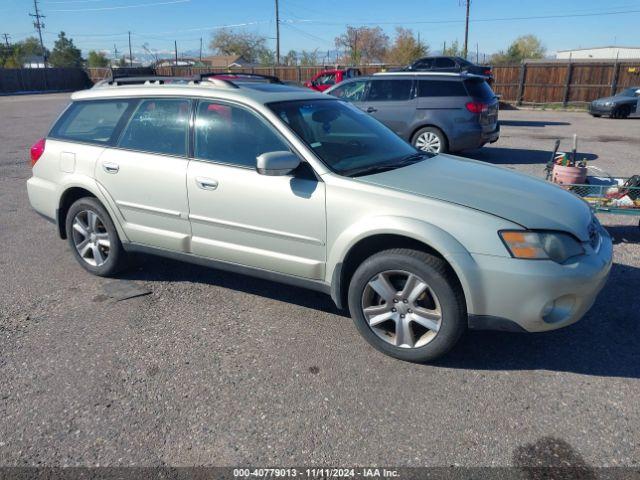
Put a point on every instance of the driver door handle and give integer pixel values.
(206, 183)
(371, 110)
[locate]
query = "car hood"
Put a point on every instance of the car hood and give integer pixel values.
(616, 98)
(530, 202)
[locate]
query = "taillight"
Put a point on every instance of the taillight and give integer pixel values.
(477, 107)
(487, 72)
(37, 150)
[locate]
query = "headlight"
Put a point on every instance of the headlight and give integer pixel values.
(608, 104)
(556, 246)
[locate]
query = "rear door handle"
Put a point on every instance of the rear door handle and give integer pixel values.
(110, 167)
(371, 110)
(206, 183)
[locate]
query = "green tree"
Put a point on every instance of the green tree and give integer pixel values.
(363, 44)
(290, 59)
(453, 50)
(24, 49)
(308, 58)
(97, 59)
(65, 53)
(251, 46)
(266, 57)
(523, 47)
(406, 48)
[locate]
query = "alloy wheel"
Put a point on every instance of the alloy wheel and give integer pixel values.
(90, 238)
(428, 142)
(401, 309)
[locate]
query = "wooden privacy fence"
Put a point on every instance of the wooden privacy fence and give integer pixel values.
(564, 82)
(532, 82)
(18, 80)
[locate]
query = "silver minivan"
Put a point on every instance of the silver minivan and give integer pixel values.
(302, 188)
(435, 112)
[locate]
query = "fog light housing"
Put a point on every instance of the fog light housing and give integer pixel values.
(558, 310)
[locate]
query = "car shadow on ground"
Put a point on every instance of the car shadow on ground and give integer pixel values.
(516, 156)
(624, 233)
(149, 269)
(531, 123)
(604, 343)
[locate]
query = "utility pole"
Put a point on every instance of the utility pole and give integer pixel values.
(201, 49)
(277, 34)
(39, 26)
(6, 39)
(175, 46)
(115, 51)
(466, 31)
(130, 54)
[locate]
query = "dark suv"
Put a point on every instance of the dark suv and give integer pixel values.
(436, 112)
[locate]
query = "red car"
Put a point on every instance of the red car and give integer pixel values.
(328, 78)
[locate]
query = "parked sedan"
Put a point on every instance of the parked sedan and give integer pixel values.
(621, 105)
(449, 64)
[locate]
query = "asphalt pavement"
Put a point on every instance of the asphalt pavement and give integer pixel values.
(204, 367)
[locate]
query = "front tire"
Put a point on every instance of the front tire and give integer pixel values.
(407, 304)
(93, 238)
(431, 140)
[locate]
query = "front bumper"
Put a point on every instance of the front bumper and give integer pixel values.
(600, 109)
(536, 296)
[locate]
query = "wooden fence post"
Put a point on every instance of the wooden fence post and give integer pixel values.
(520, 95)
(614, 80)
(299, 74)
(567, 84)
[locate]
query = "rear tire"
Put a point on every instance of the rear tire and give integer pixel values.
(430, 139)
(93, 238)
(596, 115)
(421, 312)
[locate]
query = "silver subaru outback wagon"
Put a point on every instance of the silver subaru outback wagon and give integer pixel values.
(303, 188)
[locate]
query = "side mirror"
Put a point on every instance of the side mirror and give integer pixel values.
(275, 164)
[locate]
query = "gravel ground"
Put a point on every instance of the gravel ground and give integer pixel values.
(213, 368)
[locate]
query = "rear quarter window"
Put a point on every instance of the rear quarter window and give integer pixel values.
(479, 89)
(441, 88)
(91, 121)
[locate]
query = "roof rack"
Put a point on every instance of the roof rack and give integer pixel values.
(239, 76)
(160, 80)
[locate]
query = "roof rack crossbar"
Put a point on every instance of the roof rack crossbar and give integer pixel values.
(269, 78)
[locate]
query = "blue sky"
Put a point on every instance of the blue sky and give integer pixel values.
(99, 24)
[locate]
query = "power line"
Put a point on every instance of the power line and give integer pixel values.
(39, 26)
(119, 7)
(497, 19)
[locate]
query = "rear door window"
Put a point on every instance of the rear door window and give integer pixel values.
(441, 88)
(424, 64)
(158, 126)
(389, 90)
(479, 89)
(443, 62)
(91, 121)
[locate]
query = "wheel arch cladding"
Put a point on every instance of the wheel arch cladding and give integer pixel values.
(68, 198)
(370, 245)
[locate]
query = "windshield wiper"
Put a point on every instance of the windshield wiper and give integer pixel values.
(384, 167)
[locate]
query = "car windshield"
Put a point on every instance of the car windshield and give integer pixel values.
(629, 92)
(345, 138)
